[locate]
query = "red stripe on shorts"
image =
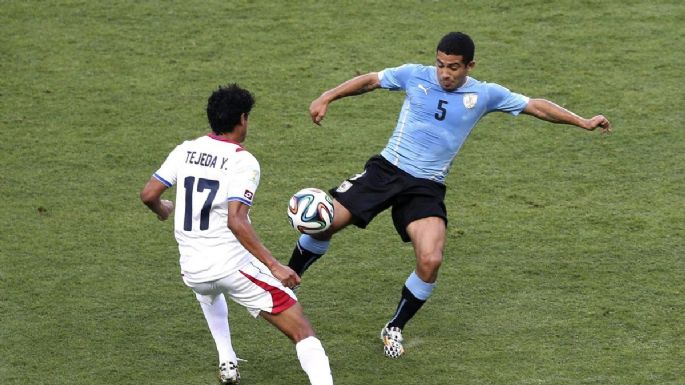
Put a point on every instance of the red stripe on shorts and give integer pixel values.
(280, 299)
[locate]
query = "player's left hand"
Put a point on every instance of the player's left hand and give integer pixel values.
(601, 122)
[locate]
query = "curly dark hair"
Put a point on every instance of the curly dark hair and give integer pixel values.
(226, 105)
(458, 43)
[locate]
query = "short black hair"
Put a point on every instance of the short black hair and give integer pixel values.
(458, 43)
(226, 105)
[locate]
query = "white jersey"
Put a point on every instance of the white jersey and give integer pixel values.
(209, 172)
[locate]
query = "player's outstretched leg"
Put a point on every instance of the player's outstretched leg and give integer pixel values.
(414, 294)
(307, 251)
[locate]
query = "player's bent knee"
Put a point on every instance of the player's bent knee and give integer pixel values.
(430, 262)
(433, 258)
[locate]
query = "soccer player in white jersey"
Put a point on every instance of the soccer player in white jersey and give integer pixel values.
(442, 105)
(221, 255)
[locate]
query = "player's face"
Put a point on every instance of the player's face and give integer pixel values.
(452, 70)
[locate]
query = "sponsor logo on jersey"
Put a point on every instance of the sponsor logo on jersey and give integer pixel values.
(248, 195)
(423, 88)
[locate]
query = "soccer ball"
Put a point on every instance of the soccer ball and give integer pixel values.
(310, 211)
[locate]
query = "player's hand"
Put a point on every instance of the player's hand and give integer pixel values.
(165, 209)
(286, 275)
(317, 110)
(601, 122)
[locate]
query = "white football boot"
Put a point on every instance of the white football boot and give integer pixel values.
(392, 341)
(228, 373)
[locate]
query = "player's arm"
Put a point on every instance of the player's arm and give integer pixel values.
(551, 112)
(151, 197)
(240, 226)
(355, 86)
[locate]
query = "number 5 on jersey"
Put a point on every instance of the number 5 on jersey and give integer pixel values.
(442, 111)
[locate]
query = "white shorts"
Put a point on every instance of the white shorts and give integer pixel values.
(252, 286)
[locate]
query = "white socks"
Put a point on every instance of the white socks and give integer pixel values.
(216, 315)
(311, 354)
(314, 361)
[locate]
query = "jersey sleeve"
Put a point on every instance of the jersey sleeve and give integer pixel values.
(396, 78)
(501, 99)
(244, 179)
(168, 171)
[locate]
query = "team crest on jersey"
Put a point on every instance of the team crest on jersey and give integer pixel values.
(470, 100)
(248, 194)
(255, 175)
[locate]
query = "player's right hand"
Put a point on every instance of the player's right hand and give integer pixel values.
(166, 208)
(286, 275)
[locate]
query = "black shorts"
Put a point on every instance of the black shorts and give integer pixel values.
(383, 185)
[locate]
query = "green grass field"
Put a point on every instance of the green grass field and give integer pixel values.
(564, 259)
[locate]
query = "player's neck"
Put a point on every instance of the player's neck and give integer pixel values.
(463, 82)
(231, 137)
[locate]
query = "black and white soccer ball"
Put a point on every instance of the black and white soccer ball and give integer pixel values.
(310, 211)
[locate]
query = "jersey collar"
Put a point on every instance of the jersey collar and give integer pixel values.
(468, 86)
(222, 139)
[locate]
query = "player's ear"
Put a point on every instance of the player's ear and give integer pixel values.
(470, 65)
(243, 118)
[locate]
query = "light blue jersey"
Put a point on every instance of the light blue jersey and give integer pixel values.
(434, 123)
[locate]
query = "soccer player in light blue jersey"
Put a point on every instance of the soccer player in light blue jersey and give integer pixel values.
(442, 105)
